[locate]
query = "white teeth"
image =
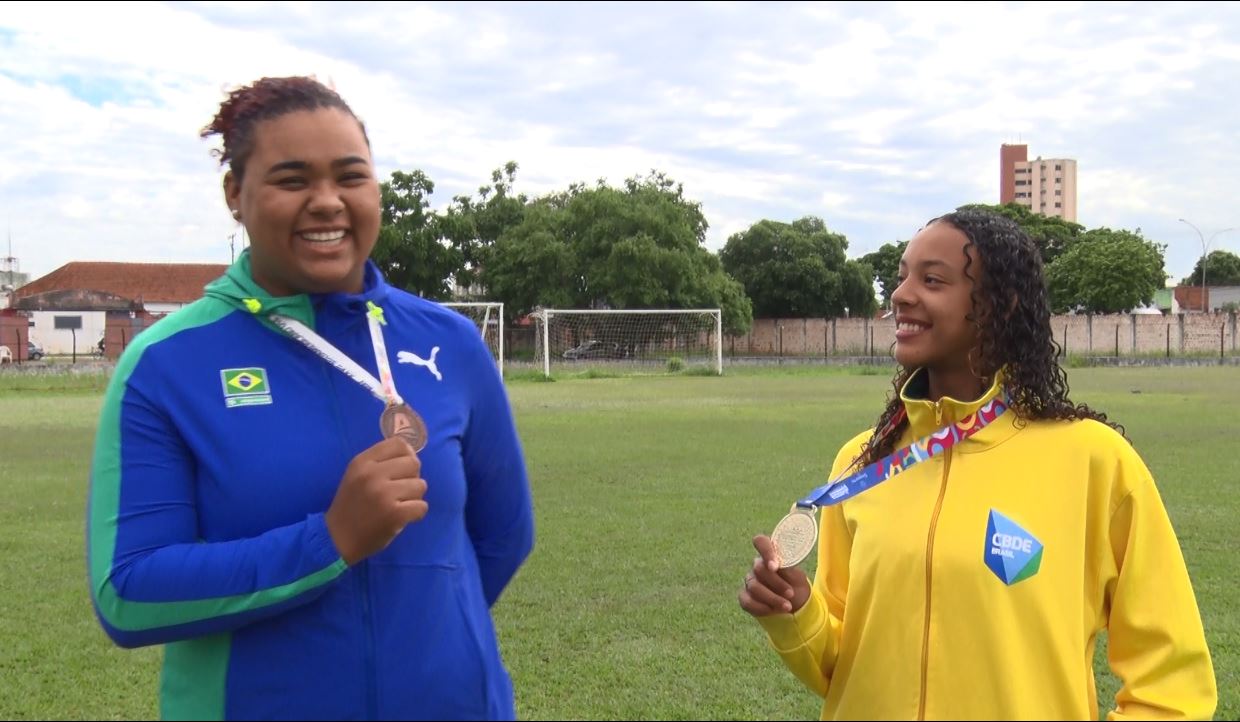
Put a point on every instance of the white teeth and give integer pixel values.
(910, 327)
(324, 237)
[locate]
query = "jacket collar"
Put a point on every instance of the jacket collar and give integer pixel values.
(926, 416)
(238, 289)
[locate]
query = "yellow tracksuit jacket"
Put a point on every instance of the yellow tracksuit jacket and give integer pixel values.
(912, 614)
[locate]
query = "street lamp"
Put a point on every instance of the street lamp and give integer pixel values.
(1205, 250)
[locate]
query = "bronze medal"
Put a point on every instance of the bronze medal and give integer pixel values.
(400, 420)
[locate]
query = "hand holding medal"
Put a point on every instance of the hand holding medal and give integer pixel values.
(769, 589)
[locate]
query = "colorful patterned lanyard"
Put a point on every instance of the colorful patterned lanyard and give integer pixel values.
(794, 536)
(835, 491)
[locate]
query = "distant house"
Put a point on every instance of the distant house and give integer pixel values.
(70, 308)
(1165, 301)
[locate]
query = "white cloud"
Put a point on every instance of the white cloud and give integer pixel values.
(875, 117)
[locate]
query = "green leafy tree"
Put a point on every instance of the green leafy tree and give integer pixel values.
(410, 250)
(639, 246)
(1222, 269)
(472, 225)
(1106, 271)
(1054, 236)
(798, 269)
(885, 263)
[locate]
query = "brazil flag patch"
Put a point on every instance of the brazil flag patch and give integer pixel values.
(245, 387)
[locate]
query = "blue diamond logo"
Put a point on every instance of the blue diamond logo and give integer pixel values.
(1012, 553)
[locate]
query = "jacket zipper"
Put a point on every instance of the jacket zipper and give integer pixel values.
(934, 525)
(361, 573)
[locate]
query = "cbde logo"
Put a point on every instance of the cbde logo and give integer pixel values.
(1012, 553)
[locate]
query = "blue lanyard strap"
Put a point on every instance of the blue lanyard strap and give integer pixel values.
(833, 492)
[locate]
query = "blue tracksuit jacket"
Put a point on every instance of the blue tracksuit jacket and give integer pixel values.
(220, 446)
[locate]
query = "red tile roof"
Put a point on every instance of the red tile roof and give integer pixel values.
(148, 282)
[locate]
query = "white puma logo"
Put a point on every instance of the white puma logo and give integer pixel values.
(406, 357)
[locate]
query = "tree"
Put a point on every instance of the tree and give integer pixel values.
(411, 251)
(857, 288)
(797, 269)
(1053, 235)
(1106, 271)
(1222, 269)
(636, 247)
(472, 226)
(885, 263)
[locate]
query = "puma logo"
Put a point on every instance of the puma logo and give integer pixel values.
(406, 357)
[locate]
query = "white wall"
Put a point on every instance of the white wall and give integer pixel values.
(159, 309)
(58, 341)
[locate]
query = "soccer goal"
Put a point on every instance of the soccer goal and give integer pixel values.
(641, 340)
(489, 318)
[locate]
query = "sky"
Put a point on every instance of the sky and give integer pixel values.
(874, 117)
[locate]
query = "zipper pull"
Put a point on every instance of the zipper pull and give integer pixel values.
(938, 413)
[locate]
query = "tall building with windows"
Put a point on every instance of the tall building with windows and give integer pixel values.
(1044, 185)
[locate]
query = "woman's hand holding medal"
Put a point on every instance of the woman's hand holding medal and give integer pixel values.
(768, 588)
(380, 494)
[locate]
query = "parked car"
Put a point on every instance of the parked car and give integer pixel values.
(595, 349)
(34, 351)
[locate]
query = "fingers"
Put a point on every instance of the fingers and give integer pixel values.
(766, 567)
(754, 607)
(401, 466)
(394, 448)
(766, 548)
(411, 511)
(409, 489)
(773, 581)
(765, 595)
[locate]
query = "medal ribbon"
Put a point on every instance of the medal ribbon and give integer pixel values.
(384, 391)
(374, 318)
(837, 490)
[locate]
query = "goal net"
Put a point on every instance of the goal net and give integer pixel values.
(654, 340)
(489, 318)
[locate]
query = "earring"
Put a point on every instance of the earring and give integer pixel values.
(236, 214)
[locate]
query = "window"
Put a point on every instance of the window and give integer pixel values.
(1058, 192)
(1058, 166)
(1059, 205)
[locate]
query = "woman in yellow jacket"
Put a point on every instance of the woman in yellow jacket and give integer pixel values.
(973, 583)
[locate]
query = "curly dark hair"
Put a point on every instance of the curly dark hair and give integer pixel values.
(264, 99)
(1011, 312)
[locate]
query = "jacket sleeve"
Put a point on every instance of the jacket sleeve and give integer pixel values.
(499, 512)
(153, 579)
(808, 640)
(1156, 643)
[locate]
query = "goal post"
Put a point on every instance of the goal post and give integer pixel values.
(643, 340)
(489, 318)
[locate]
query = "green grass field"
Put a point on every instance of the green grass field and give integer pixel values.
(647, 492)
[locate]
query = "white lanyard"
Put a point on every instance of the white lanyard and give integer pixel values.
(385, 391)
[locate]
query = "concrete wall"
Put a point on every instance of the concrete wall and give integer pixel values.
(1129, 335)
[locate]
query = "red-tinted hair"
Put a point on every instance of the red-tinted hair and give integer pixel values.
(263, 99)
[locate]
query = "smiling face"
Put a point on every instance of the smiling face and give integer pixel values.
(933, 301)
(309, 201)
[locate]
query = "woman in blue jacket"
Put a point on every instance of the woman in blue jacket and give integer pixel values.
(308, 484)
